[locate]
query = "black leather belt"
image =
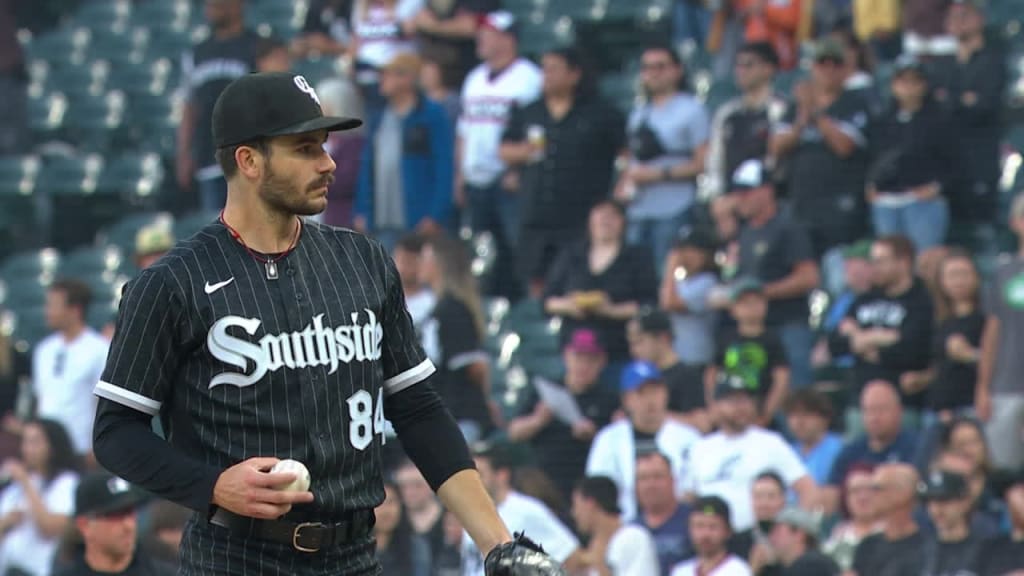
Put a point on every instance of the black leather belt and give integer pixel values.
(302, 536)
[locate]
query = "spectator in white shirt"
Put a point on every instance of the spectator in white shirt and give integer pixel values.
(615, 547)
(726, 463)
(36, 506)
(647, 429)
(483, 185)
(520, 512)
(67, 364)
(710, 530)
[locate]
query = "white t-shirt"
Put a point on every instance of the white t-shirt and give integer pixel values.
(523, 513)
(732, 566)
(24, 547)
(486, 104)
(613, 454)
(631, 552)
(726, 466)
(421, 306)
(380, 32)
(63, 377)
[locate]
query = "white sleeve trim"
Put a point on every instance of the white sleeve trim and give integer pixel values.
(414, 375)
(460, 361)
(126, 398)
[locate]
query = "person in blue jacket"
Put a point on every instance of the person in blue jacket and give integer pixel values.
(405, 177)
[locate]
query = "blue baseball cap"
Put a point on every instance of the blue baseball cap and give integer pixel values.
(637, 374)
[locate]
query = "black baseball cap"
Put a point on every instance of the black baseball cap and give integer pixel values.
(653, 321)
(270, 104)
(712, 506)
(729, 384)
(943, 485)
(101, 492)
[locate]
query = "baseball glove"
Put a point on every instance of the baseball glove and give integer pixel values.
(520, 557)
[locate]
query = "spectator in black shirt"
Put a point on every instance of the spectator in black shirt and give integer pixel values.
(447, 33)
(650, 339)
(566, 143)
(953, 550)
(913, 158)
(751, 353)
(561, 447)
(741, 127)
(327, 30)
(229, 53)
(601, 282)
(776, 251)
(953, 374)
(889, 329)
(898, 549)
(768, 497)
(821, 144)
(1004, 555)
(970, 85)
(453, 337)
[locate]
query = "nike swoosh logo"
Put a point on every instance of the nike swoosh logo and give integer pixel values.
(211, 288)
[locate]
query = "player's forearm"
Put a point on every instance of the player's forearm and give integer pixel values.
(125, 444)
(464, 495)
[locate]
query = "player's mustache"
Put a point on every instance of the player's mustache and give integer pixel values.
(326, 180)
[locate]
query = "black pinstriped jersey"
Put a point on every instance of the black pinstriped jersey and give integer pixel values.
(238, 365)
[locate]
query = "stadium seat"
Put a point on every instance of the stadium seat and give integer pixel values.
(539, 37)
(144, 78)
(46, 114)
(154, 120)
(136, 177)
(189, 225)
(71, 175)
(120, 47)
(95, 122)
(31, 264)
(18, 176)
(719, 93)
(92, 261)
(550, 367)
(524, 313)
(164, 14)
(89, 79)
(103, 14)
(29, 326)
(62, 46)
(24, 292)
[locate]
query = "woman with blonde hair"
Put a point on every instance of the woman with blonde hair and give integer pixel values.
(453, 336)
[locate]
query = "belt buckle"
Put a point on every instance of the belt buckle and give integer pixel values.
(297, 533)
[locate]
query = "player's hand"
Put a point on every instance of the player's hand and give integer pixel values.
(249, 489)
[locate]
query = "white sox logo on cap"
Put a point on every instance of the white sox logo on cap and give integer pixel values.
(302, 84)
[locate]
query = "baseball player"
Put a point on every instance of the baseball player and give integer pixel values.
(267, 337)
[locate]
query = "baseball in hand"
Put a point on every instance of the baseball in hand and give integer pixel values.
(301, 482)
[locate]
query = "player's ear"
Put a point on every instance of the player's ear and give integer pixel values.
(250, 161)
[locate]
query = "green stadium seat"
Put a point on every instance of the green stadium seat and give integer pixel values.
(719, 93)
(549, 367)
(120, 47)
(524, 313)
(154, 120)
(102, 312)
(537, 340)
(102, 14)
(71, 175)
(95, 122)
(164, 14)
(89, 79)
(46, 114)
(18, 176)
(133, 176)
(31, 264)
(63, 46)
(29, 326)
(539, 37)
(149, 77)
(189, 225)
(24, 292)
(92, 261)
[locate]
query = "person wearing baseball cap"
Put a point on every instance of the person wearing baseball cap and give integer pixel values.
(646, 429)
(503, 81)
(152, 242)
(560, 444)
(616, 547)
(1004, 554)
(752, 353)
(710, 530)
(794, 538)
(650, 335)
(105, 516)
(776, 251)
(953, 548)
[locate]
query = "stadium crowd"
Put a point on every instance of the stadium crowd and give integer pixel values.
(754, 328)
